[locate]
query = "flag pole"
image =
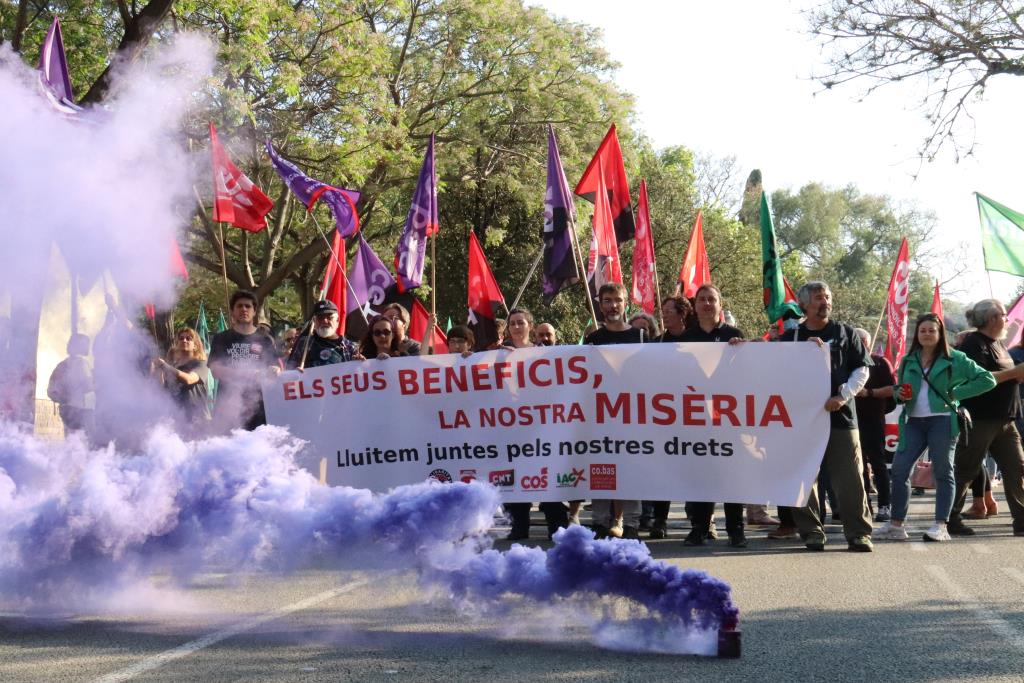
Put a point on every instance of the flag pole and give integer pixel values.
(580, 266)
(991, 293)
(224, 265)
(529, 276)
(657, 289)
(874, 337)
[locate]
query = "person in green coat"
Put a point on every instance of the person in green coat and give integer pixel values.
(933, 379)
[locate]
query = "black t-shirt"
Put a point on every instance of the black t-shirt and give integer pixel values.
(604, 336)
(848, 354)
(192, 398)
(669, 338)
(321, 351)
(254, 351)
(1001, 402)
(721, 333)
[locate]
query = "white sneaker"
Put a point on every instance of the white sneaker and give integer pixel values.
(889, 532)
(937, 534)
(615, 531)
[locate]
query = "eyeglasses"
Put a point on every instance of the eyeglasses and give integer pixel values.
(382, 333)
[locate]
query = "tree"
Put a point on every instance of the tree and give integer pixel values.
(955, 45)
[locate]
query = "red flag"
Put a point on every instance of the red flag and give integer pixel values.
(604, 256)
(334, 280)
(695, 270)
(607, 167)
(644, 286)
(178, 262)
(937, 303)
(418, 317)
(236, 200)
(896, 307)
(484, 295)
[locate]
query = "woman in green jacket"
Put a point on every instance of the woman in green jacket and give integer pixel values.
(933, 379)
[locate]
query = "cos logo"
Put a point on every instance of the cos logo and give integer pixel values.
(537, 481)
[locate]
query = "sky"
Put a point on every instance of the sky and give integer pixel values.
(702, 72)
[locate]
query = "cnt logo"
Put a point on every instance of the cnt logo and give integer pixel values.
(569, 480)
(502, 479)
(535, 481)
(602, 477)
(441, 476)
(466, 476)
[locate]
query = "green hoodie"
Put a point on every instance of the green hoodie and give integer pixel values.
(957, 377)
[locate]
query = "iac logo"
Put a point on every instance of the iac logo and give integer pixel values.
(569, 480)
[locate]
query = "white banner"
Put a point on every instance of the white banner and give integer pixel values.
(677, 422)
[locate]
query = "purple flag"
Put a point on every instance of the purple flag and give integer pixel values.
(53, 71)
(372, 285)
(341, 201)
(421, 223)
(560, 269)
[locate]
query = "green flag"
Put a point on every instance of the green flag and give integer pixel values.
(203, 328)
(1002, 236)
(222, 324)
(449, 328)
(776, 304)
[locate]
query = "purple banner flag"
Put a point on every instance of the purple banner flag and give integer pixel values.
(560, 269)
(371, 283)
(422, 222)
(53, 72)
(341, 201)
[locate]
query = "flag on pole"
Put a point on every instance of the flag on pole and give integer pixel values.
(222, 324)
(418, 318)
(775, 290)
(1014, 323)
(937, 303)
(236, 200)
(644, 287)
(1002, 236)
(334, 280)
(420, 224)
(605, 250)
(203, 331)
(371, 282)
(484, 296)
(560, 269)
(696, 269)
(896, 306)
(607, 167)
(341, 201)
(54, 76)
(448, 327)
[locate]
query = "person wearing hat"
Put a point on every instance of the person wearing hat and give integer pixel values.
(324, 346)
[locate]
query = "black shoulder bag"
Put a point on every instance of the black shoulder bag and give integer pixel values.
(963, 416)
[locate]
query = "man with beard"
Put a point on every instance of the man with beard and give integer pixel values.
(325, 346)
(617, 518)
(545, 334)
(850, 364)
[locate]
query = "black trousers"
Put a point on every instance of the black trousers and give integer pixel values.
(555, 514)
(700, 515)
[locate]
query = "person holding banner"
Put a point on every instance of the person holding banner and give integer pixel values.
(711, 328)
(381, 339)
(556, 514)
(849, 363)
(993, 416)
(612, 297)
(398, 314)
(933, 379)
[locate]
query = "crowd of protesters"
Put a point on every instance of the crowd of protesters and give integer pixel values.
(961, 404)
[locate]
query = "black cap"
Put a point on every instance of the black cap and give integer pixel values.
(324, 307)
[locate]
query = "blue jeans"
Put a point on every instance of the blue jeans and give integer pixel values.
(918, 433)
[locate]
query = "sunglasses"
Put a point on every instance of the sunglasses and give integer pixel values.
(382, 333)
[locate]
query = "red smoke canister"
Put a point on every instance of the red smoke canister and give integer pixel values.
(728, 643)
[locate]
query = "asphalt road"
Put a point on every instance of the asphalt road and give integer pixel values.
(908, 612)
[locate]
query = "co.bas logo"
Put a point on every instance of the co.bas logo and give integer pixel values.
(502, 479)
(569, 480)
(535, 481)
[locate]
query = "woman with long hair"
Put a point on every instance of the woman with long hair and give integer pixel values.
(184, 374)
(933, 380)
(381, 339)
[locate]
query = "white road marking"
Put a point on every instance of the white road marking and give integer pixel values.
(996, 624)
(158, 660)
(1014, 573)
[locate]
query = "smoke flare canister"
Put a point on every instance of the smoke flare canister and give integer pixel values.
(728, 643)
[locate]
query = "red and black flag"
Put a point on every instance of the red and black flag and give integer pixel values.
(607, 162)
(484, 296)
